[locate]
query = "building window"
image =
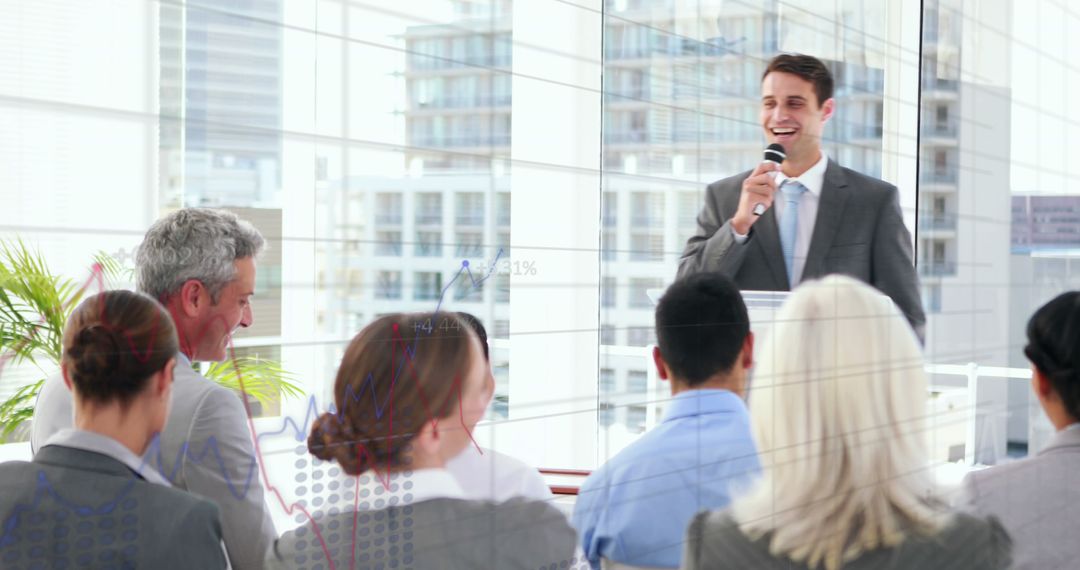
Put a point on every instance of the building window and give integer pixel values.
(606, 414)
(428, 286)
(607, 335)
(609, 207)
(469, 245)
(647, 247)
(647, 209)
(607, 292)
(470, 209)
(635, 418)
(388, 244)
(608, 249)
(637, 382)
(502, 208)
(428, 209)
(639, 287)
(388, 208)
(388, 285)
(640, 336)
(428, 244)
(607, 381)
(932, 298)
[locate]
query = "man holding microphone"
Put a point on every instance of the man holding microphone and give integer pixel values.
(806, 217)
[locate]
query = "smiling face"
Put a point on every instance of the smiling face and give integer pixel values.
(792, 116)
(232, 311)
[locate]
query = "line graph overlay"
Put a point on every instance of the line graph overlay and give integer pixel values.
(402, 355)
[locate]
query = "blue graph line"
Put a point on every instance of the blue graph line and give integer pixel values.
(43, 488)
(211, 447)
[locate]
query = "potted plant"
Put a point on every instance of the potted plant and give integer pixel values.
(35, 305)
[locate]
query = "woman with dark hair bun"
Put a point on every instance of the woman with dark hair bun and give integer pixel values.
(87, 499)
(409, 391)
(1036, 497)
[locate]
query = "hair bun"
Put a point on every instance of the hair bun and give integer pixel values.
(334, 440)
(96, 352)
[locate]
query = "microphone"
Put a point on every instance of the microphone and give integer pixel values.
(773, 153)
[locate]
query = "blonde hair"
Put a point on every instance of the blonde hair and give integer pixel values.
(838, 400)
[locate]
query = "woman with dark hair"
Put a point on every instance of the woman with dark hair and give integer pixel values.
(87, 499)
(409, 391)
(1036, 497)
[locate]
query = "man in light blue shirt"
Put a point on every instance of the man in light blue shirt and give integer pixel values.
(635, 508)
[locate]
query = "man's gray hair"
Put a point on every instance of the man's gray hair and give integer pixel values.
(194, 243)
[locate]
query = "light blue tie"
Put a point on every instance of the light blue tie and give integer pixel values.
(789, 224)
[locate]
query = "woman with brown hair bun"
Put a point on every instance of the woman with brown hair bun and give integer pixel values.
(87, 499)
(409, 391)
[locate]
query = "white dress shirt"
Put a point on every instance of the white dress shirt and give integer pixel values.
(105, 445)
(381, 490)
(813, 179)
(494, 476)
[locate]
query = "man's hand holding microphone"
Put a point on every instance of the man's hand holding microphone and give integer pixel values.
(758, 190)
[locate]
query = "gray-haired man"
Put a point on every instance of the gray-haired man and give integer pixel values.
(200, 263)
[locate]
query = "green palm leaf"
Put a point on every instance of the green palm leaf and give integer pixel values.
(35, 305)
(262, 379)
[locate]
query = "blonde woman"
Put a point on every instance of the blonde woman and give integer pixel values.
(838, 406)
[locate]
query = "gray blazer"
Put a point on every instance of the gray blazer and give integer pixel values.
(859, 232)
(206, 449)
(1036, 499)
(81, 509)
(436, 534)
(715, 542)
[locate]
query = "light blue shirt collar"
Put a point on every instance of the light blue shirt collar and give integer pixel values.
(696, 402)
(1072, 427)
(109, 447)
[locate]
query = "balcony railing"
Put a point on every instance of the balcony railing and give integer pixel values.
(930, 83)
(388, 218)
(430, 218)
(937, 222)
(464, 102)
(938, 177)
(616, 137)
(469, 219)
(943, 130)
(864, 132)
(422, 62)
(462, 140)
(937, 268)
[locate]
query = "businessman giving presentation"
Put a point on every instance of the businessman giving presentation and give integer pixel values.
(800, 215)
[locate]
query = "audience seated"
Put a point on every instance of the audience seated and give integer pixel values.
(87, 500)
(409, 391)
(1036, 497)
(634, 509)
(488, 474)
(200, 264)
(838, 401)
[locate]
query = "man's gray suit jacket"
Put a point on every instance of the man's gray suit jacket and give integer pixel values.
(205, 448)
(859, 232)
(71, 508)
(1036, 500)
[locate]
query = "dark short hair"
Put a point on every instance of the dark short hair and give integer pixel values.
(701, 325)
(1053, 339)
(807, 67)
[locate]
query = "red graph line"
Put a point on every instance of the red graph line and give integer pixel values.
(397, 343)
